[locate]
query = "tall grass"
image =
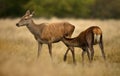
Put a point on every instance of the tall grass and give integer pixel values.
(18, 51)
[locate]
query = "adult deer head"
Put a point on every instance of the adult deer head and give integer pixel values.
(25, 20)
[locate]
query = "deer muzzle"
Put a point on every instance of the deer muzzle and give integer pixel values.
(17, 24)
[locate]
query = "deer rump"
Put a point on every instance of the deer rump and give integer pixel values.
(92, 34)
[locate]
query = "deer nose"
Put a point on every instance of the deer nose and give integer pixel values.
(17, 24)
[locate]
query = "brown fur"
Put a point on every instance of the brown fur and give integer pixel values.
(85, 40)
(55, 31)
(97, 31)
(46, 33)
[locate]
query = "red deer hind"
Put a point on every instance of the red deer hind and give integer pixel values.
(46, 33)
(85, 40)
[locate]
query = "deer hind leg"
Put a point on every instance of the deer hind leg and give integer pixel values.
(39, 48)
(90, 42)
(102, 48)
(85, 49)
(88, 54)
(91, 50)
(50, 50)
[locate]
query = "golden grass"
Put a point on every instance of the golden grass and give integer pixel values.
(18, 51)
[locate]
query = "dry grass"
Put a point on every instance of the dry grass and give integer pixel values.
(18, 51)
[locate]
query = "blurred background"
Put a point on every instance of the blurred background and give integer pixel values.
(18, 48)
(103, 9)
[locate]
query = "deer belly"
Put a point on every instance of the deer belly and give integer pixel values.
(50, 39)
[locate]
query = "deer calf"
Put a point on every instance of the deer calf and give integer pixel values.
(85, 40)
(46, 33)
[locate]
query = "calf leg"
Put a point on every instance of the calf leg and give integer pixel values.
(73, 54)
(65, 56)
(102, 48)
(90, 41)
(83, 53)
(88, 54)
(92, 52)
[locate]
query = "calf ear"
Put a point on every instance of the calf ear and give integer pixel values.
(27, 12)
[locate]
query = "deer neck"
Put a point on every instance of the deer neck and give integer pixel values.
(71, 42)
(32, 28)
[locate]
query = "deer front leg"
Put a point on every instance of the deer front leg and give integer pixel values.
(73, 54)
(65, 56)
(39, 48)
(50, 50)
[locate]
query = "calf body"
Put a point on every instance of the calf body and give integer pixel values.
(86, 40)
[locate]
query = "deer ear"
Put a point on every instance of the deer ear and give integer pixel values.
(27, 12)
(32, 14)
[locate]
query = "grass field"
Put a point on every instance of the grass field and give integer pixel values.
(18, 51)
